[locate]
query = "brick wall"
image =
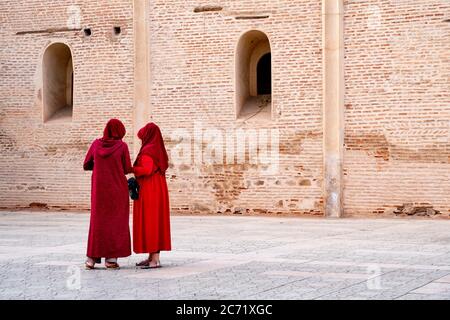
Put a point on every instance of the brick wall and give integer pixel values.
(42, 163)
(396, 105)
(192, 81)
(396, 102)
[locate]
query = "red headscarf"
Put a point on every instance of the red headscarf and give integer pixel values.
(153, 146)
(114, 130)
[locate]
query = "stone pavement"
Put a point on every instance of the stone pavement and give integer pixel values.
(42, 255)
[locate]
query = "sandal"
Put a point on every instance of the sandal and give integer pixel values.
(156, 266)
(144, 263)
(90, 263)
(112, 265)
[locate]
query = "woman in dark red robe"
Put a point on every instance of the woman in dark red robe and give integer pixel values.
(109, 232)
(151, 212)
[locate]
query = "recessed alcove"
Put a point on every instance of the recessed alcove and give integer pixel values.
(58, 77)
(253, 77)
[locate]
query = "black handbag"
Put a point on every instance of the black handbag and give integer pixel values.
(133, 188)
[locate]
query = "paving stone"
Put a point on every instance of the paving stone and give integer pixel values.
(42, 256)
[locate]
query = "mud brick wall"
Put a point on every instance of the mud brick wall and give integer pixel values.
(192, 57)
(397, 102)
(41, 164)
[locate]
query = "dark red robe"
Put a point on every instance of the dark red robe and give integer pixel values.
(109, 232)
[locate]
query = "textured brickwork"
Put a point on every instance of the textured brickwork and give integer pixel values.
(396, 105)
(396, 101)
(42, 163)
(192, 80)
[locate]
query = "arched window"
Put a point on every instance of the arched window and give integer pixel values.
(253, 77)
(57, 70)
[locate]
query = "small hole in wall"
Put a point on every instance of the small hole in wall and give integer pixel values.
(87, 32)
(117, 30)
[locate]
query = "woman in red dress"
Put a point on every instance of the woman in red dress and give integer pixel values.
(151, 212)
(109, 231)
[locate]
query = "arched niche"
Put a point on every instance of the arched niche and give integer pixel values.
(57, 71)
(253, 76)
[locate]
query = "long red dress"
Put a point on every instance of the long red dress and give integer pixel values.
(151, 212)
(109, 232)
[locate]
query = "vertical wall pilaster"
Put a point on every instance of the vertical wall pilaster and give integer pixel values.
(141, 68)
(333, 106)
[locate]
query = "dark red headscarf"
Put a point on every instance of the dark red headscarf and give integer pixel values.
(153, 146)
(114, 130)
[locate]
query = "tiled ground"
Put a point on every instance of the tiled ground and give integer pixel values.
(42, 255)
